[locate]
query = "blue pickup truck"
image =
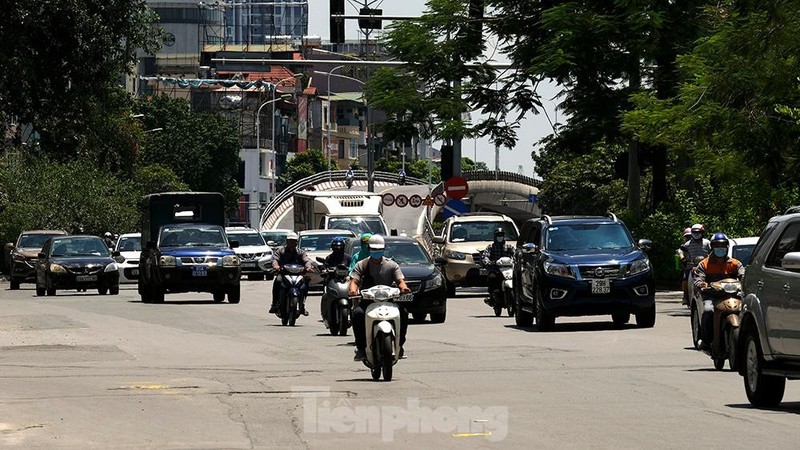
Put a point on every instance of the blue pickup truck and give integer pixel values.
(186, 248)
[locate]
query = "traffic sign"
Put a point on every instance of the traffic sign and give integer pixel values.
(387, 199)
(440, 199)
(456, 188)
(454, 207)
(415, 201)
(533, 198)
(428, 201)
(401, 200)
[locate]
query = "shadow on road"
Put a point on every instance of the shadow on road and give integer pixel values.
(574, 327)
(786, 407)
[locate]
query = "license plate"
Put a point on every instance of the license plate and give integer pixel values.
(408, 297)
(248, 265)
(601, 286)
(134, 272)
(85, 278)
(199, 271)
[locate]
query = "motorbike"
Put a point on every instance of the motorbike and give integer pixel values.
(336, 306)
(293, 283)
(501, 297)
(726, 296)
(383, 329)
(348, 179)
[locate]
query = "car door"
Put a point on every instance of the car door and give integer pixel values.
(790, 310)
(776, 286)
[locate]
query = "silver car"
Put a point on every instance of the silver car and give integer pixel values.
(318, 243)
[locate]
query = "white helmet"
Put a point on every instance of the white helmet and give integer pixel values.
(292, 236)
(376, 242)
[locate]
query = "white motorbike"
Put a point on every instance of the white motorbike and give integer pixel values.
(383, 329)
(506, 266)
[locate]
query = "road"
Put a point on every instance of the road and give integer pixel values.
(90, 371)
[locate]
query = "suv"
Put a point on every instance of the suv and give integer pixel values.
(24, 254)
(581, 266)
(254, 254)
(463, 237)
(769, 335)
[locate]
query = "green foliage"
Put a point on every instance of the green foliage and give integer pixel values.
(304, 165)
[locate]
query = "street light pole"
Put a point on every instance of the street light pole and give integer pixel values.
(330, 119)
(272, 129)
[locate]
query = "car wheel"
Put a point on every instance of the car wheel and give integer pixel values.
(439, 317)
(14, 284)
(522, 318)
(113, 290)
(419, 317)
(544, 320)
(40, 291)
(102, 291)
(646, 318)
(51, 291)
(620, 319)
(695, 327)
(451, 289)
(219, 296)
(762, 390)
(157, 294)
(235, 294)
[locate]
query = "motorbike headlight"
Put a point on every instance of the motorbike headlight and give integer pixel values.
(167, 261)
(434, 282)
(451, 254)
(111, 268)
(230, 261)
(639, 266)
(559, 270)
(57, 268)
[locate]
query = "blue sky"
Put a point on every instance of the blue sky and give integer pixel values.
(533, 127)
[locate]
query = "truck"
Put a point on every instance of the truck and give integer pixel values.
(357, 211)
(185, 247)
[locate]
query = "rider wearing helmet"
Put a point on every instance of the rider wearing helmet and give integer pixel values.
(717, 266)
(693, 250)
(288, 254)
(680, 264)
(362, 252)
(373, 271)
(490, 255)
(108, 239)
(337, 256)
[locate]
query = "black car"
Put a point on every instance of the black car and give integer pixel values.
(421, 274)
(76, 262)
(581, 266)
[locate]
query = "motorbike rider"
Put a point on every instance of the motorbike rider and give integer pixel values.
(680, 264)
(337, 256)
(373, 271)
(289, 254)
(490, 255)
(717, 266)
(695, 247)
(108, 239)
(362, 252)
(349, 176)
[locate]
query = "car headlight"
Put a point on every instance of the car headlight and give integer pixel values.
(434, 282)
(451, 254)
(167, 261)
(57, 268)
(111, 268)
(230, 261)
(639, 266)
(559, 270)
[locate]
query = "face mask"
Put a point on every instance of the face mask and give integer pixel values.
(720, 252)
(376, 254)
(499, 240)
(697, 235)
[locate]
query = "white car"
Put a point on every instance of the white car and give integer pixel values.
(129, 246)
(254, 253)
(742, 248)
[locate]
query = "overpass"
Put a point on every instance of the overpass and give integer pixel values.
(503, 192)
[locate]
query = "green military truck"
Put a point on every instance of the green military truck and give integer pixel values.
(185, 248)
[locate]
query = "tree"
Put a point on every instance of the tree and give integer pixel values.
(202, 149)
(304, 165)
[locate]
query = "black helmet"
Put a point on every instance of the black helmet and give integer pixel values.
(499, 232)
(337, 243)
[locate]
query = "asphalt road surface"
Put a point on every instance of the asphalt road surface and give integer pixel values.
(81, 370)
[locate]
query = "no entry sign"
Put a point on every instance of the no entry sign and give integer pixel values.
(456, 187)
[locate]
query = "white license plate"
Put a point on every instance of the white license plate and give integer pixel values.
(134, 272)
(85, 278)
(199, 271)
(248, 265)
(409, 297)
(601, 286)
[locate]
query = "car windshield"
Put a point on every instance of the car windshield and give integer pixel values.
(247, 238)
(129, 244)
(743, 253)
(587, 237)
(407, 253)
(358, 225)
(319, 242)
(278, 237)
(481, 231)
(200, 236)
(34, 240)
(79, 246)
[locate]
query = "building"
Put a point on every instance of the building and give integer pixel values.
(256, 22)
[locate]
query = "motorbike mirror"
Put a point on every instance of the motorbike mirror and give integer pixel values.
(437, 240)
(439, 261)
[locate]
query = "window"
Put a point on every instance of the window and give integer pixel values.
(587, 236)
(480, 231)
(353, 149)
(788, 242)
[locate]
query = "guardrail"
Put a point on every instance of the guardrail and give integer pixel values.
(491, 175)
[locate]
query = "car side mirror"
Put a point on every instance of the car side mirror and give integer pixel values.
(41, 255)
(272, 243)
(115, 253)
(439, 261)
(437, 239)
(791, 261)
(150, 245)
(645, 244)
(234, 244)
(530, 247)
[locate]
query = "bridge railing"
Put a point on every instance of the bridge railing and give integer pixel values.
(490, 175)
